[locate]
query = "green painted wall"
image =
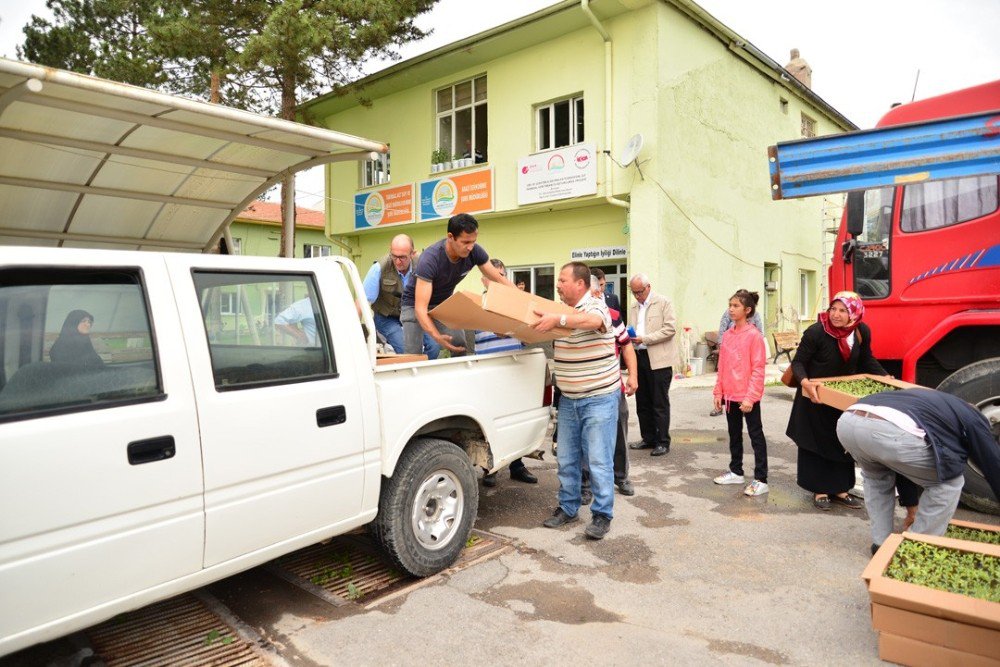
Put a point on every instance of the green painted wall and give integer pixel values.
(702, 222)
(265, 240)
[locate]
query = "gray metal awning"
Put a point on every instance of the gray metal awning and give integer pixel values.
(86, 162)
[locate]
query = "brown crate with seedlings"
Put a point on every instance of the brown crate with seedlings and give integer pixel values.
(843, 391)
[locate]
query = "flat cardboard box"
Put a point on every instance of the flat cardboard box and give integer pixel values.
(937, 631)
(907, 651)
(842, 401)
(929, 601)
(510, 313)
(386, 359)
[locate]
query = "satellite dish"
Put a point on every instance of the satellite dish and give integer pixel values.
(632, 149)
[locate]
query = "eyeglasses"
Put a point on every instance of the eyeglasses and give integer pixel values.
(637, 292)
(399, 258)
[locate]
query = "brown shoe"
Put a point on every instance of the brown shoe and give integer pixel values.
(849, 501)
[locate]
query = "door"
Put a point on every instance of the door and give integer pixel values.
(100, 464)
(280, 418)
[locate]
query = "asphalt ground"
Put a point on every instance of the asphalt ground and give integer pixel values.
(691, 573)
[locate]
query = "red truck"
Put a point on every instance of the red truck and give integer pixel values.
(926, 259)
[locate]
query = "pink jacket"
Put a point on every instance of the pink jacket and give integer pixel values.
(742, 357)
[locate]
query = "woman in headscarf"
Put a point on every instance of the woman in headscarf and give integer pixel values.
(73, 345)
(838, 344)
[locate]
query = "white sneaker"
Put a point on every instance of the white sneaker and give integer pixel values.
(756, 488)
(729, 478)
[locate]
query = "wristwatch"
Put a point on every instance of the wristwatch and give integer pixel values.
(562, 320)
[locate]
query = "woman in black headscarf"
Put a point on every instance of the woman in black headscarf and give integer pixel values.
(73, 345)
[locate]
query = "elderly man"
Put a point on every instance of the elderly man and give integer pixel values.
(652, 316)
(384, 286)
(441, 267)
(926, 435)
(588, 376)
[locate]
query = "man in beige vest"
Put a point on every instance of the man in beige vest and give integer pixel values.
(652, 317)
(384, 286)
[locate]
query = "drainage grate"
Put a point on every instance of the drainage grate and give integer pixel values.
(179, 631)
(351, 569)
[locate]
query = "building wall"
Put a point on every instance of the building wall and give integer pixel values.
(264, 240)
(701, 223)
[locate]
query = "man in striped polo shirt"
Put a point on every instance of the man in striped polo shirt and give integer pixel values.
(589, 378)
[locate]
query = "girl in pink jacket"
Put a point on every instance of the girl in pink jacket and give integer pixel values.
(739, 387)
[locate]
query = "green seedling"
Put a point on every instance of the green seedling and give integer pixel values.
(352, 592)
(965, 573)
(973, 534)
(860, 388)
(473, 540)
(211, 637)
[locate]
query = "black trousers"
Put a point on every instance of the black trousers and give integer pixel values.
(652, 401)
(734, 417)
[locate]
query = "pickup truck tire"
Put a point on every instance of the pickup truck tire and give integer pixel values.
(427, 507)
(979, 384)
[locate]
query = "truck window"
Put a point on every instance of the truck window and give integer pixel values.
(74, 340)
(937, 204)
(871, 260)
(263, 329)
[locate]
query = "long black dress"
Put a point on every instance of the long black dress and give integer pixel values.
(823, 465)
(73, 347)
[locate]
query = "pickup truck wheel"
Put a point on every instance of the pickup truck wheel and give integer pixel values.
(427, 508)
(979, 384)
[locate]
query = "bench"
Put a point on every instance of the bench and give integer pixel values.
(785, 342)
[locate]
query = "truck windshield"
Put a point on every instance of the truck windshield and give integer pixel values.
(871, 260)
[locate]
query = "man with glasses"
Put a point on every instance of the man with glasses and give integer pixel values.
(652, 315)
(384, 286)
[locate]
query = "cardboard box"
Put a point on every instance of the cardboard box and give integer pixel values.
(842, 401)
(503, 310)
(908, 651)
(386, 359)
(937, 631)
(929, 601)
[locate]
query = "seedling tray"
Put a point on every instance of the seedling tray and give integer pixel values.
(841, 400)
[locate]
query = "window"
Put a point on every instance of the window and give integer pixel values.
(539, 280)
(807, 282)
(560, 124)
(254, 347)
(237, 248)
(314, 250)
(461, 119)
(808, 126)
(784, 104)
(227, 303)
(74, 340)
(871, 257)
(938, 204)
(375, 172)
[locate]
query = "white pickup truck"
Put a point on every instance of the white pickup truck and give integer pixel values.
(205, 436)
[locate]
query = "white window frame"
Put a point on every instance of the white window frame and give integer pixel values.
(237, 248)
(807, 288)
(473, 104)
(576, 135)
(533, 269)
(808, 126)
(228, 303)
(375, 172)
(316, 250)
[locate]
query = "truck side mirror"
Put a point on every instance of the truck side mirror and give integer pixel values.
(855, 213)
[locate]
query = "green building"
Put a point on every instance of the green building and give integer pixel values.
(537, 122)
(257, 231)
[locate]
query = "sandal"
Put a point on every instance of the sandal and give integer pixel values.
(849, 501)
(822, 503)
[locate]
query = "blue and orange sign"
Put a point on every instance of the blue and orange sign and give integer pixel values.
(467, 192)
(388, 206)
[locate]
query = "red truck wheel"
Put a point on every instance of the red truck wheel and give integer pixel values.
(979, 384)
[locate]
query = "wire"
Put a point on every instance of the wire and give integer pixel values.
(695, 225)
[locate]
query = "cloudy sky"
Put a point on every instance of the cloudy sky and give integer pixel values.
(865, 54)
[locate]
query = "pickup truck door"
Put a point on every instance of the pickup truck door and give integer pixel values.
(280, 414)
(100, 464)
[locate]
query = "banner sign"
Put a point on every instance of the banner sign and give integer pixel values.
(559, 174)
(467, 192)
(590, 254)
(386, 206)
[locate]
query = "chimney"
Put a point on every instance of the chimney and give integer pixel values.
(799, 68)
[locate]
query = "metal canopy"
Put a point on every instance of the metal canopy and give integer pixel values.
(86, 162)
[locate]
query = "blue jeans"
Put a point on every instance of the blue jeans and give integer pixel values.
(587, 429)
(392, 329)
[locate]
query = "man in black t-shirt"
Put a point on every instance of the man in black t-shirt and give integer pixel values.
(440, 268)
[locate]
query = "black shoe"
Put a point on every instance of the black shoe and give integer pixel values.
(586, 496)
(598, 528)
(642, 444)
(522, 474)
(874, 548)
(558, 519)
(625, 487)
(659, 450)
(490, 479)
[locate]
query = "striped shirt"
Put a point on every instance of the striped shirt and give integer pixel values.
(585, 362)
